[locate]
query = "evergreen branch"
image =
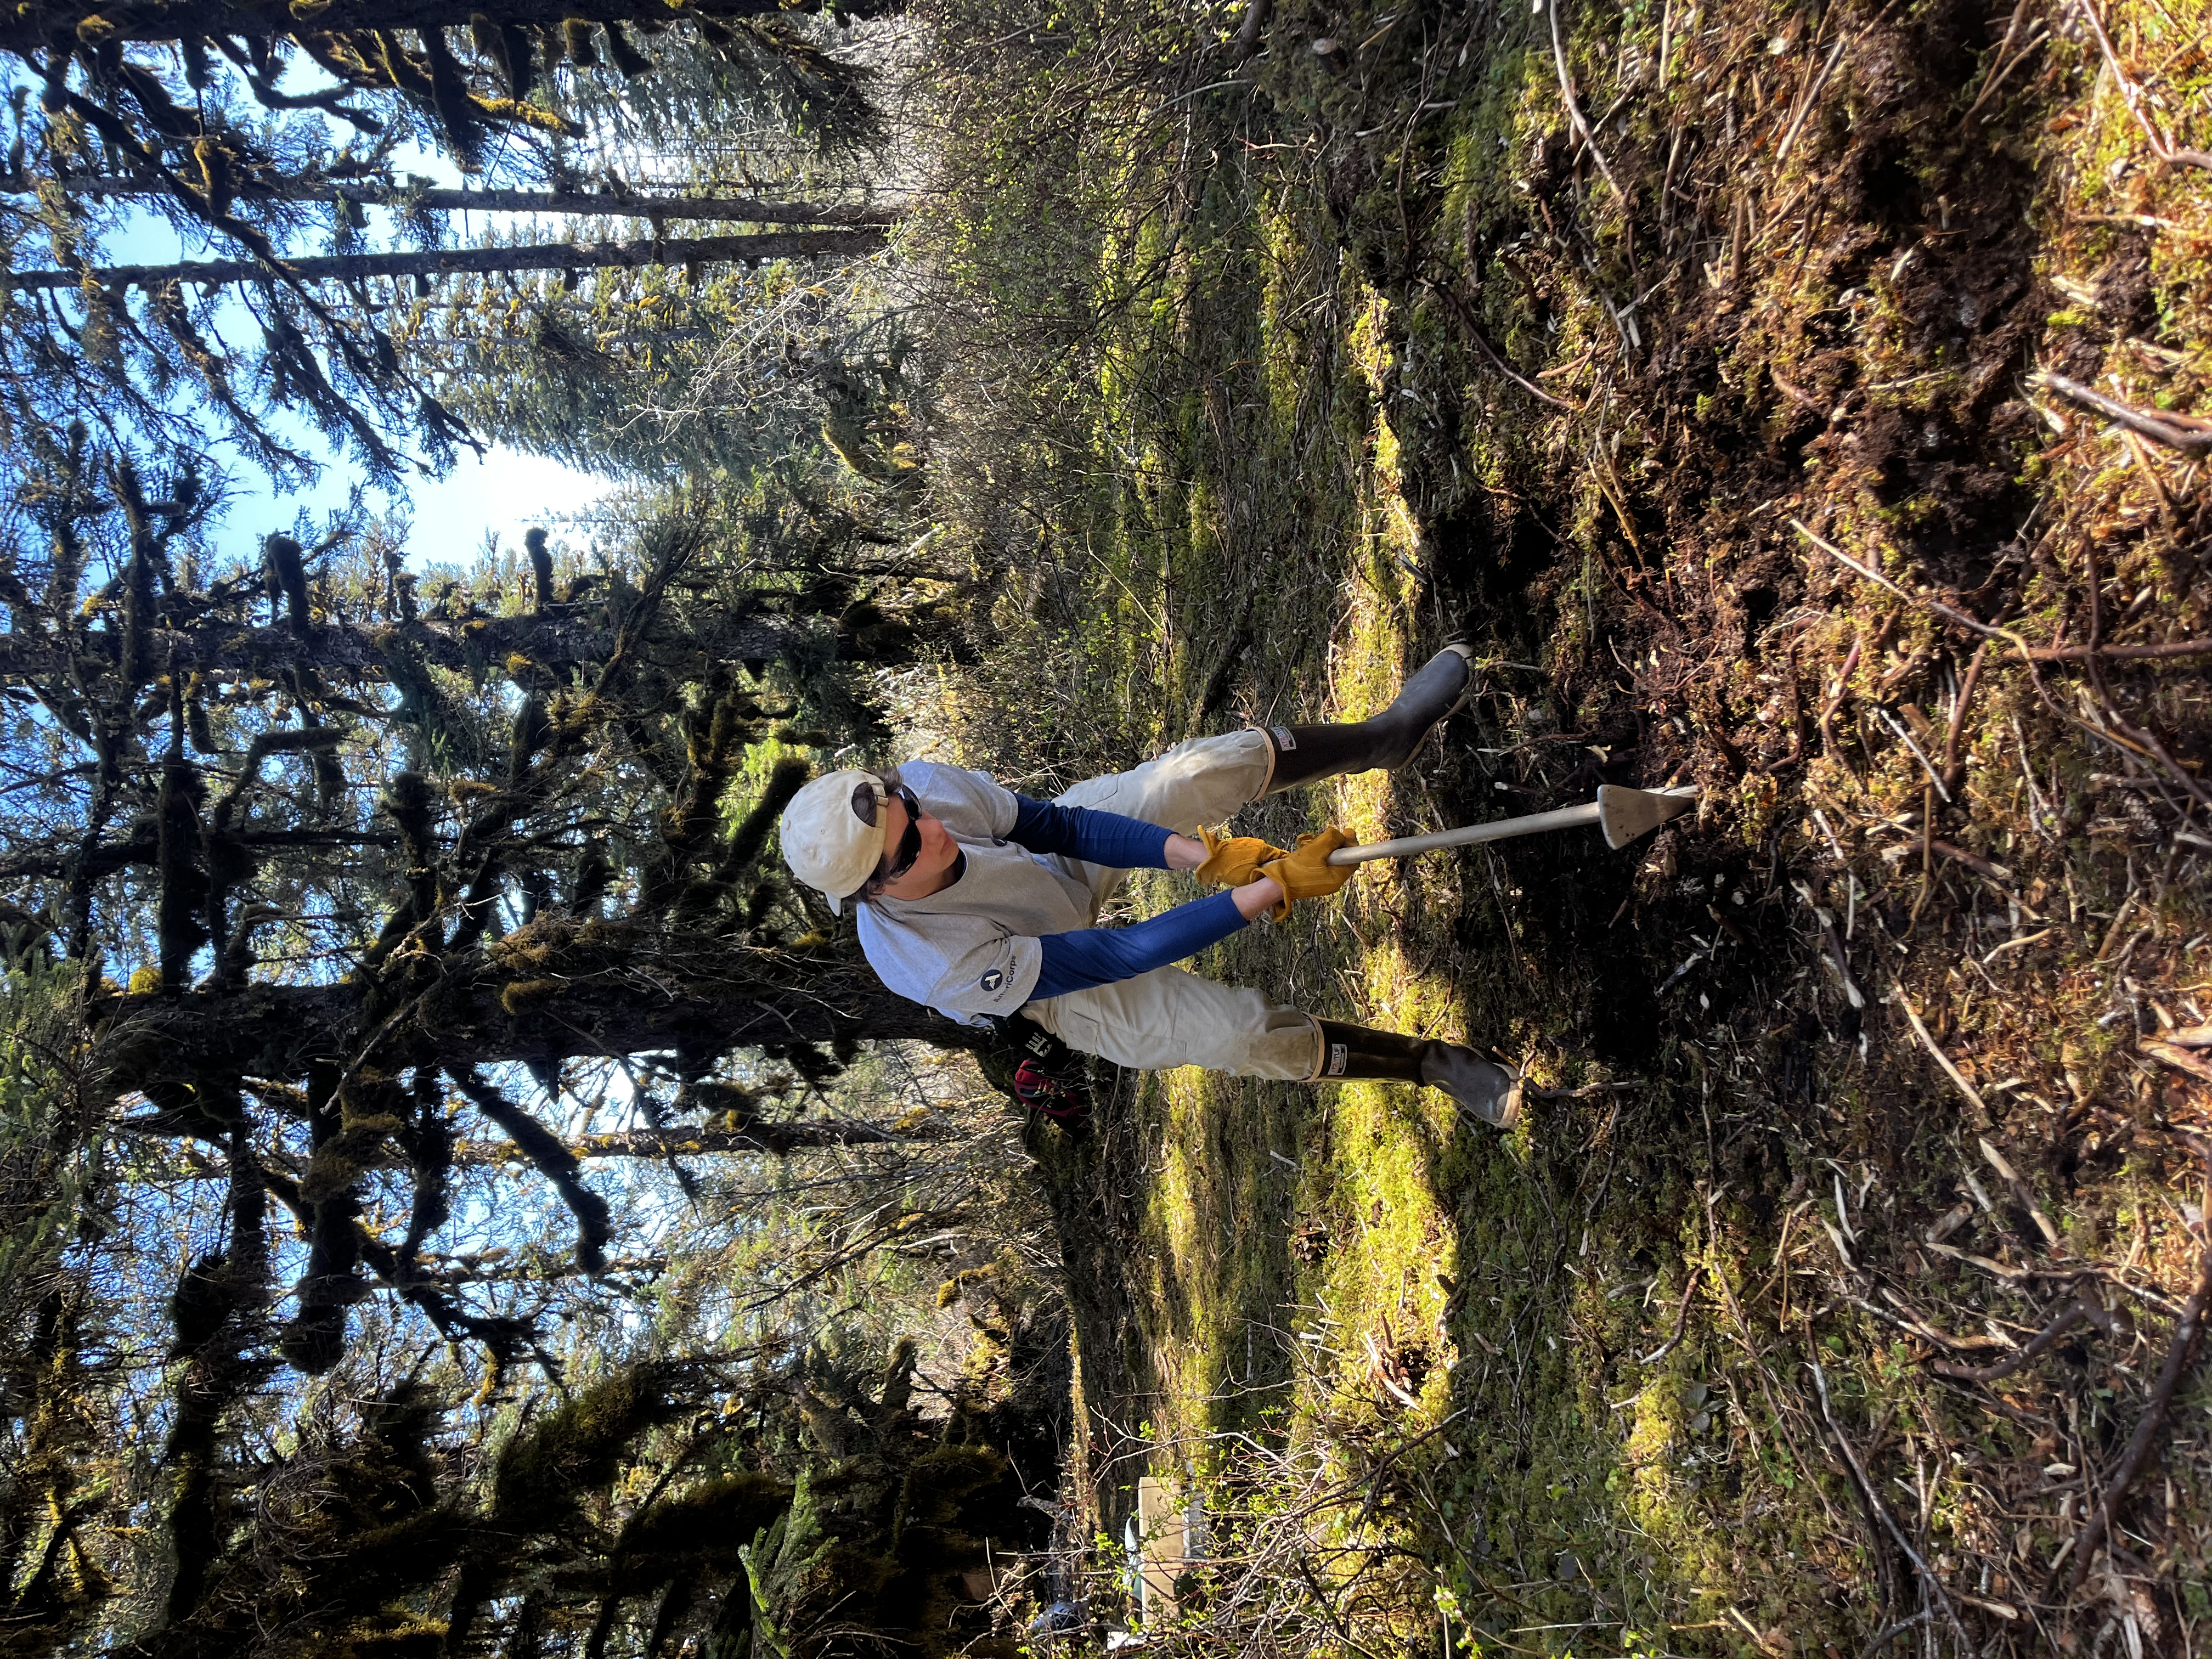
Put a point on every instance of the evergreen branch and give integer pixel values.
(627, 254)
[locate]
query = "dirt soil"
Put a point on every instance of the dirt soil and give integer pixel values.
(1729, 379)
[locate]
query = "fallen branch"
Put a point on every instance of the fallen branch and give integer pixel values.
(1574, 110)
(1252, 31)
(2132, 95)
(1974, 861)
(2120, 652)
(2118, 730)
(2017, 1275)
(2005, 64)
(1905, 735)
(2171, 1054)
(1889, 1633)
(1874, 1499)
(1954, 772)
(1945, 611)
(2041, 1342)
(1681, 1318)
(1474, 332)
(2178, 1355)
(1999, 62)
(2022, 1191)
(2144, 743)
(1382, 1375)
(2186, 433)
(1942, 1058)
(1805, 106)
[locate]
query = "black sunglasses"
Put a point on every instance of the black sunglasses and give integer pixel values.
(909, 846)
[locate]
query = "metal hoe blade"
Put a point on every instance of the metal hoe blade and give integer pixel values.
(1620, 814)
(1625, 814)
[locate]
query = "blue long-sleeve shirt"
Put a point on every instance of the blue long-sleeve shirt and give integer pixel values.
(1100, 956)
(1079, 832)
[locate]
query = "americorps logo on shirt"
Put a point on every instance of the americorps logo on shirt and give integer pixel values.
(994, 980)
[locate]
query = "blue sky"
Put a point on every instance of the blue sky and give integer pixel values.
(503, 494)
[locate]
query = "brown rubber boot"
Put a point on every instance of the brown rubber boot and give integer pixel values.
(1482, 1088)
(1303, 753)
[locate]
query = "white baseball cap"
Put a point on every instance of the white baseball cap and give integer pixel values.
(833, 833)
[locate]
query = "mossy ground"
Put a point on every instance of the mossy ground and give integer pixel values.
(1254, 451)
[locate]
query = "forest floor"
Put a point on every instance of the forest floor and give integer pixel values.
(1723, 438)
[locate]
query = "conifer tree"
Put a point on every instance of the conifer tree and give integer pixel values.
(157, 109)
(536, 804)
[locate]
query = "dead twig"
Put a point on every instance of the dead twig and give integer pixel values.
(2076, 1313)
(1942, 1058)
(1805, 106)
(1681, 1317)
(1889, 1633)
(2146, 744)
(1574, 110)
(2171, 1054)
(1253, 29)
(1942, 1597)
(1954, 772)
(2131, 94)
(2005, 62)
(2020, 1190)
(1948, 612)
(1843, 689)
(2179, 1353)
(1904, 734)
(1974, 861)
(1474, 332)
(2143, 741)
(2189, 433)
(2120, 652)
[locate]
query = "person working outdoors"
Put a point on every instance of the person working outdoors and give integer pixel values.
(982, 903)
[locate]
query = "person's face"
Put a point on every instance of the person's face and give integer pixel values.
(933, 862)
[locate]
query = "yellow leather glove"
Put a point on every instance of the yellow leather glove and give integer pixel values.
(1307, 872)
(1233, 861)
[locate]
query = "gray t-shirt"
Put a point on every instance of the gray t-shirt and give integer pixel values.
(972, 950)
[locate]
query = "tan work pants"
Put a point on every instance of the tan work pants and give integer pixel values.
(1170, 1017)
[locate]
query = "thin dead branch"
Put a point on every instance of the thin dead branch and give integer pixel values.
(1934, 1585)
(1681, 1317)
(1574, 110)
(2120, 652)
(1805, 104)
(1474, 332)
(2178, 1353)
(2131, 94)
(2180, 1059)
(2189, 433)
(2075, 1313)
(1942, 1060)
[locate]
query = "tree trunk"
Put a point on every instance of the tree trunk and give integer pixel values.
(448, 261)
(105, 858)
(276, 1031)
(44, 28)
(555, 643)
(610, 204)
(781, 1138)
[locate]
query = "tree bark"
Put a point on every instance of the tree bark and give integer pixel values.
(38, 28)
(780, 1138)
(555, 643)
(448, 261)
(734, 210)
(109, 856)
(276, 1031)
